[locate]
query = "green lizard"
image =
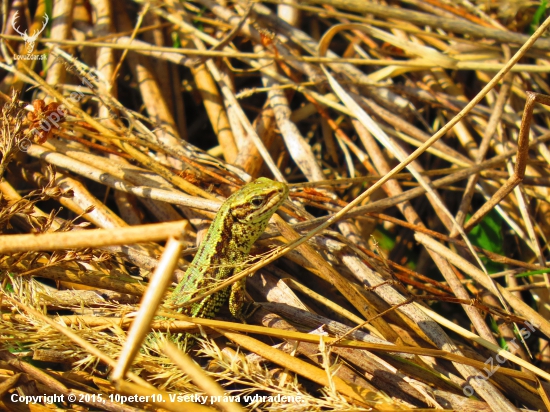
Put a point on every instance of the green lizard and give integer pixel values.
(241, 219)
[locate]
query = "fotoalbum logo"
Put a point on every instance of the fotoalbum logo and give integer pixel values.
(29, 40)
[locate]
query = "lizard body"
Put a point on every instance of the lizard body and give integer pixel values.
(241, 219)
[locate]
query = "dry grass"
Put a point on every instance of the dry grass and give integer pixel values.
(412, 249)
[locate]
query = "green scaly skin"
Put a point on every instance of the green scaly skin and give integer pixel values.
(241, 219)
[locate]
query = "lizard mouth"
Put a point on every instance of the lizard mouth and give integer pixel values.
(274, 200)
(278, 196)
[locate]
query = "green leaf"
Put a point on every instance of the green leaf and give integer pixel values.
(533, 272)
(8, 287)
(539, 13)
(488, 235)
(386, 241)
(176, 42)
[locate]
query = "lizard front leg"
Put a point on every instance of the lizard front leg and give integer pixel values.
(237, 298)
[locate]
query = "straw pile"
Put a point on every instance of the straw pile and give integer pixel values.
(418, 174)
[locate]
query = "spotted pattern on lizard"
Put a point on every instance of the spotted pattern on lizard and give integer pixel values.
(241, 219)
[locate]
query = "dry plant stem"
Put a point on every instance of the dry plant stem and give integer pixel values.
(75, 338)
(35, 372)
(360, 210)
(128, 210)
(412, 193)
(431, 329)
(272, 286)
(135, 153)
(61, 24)
(90, 238)
(105, 60)
(230, 98)
(239, 133)
(8, 384)
(145, 49)
(288, 13)
(363, 158)
(256, 65)
(249, 157)
(100, 176)
(153, 99)
(115, 165)
(9, 192)
(495, 348)
(163, 212)
(329, 304)
(57, 387)
(233, 32)
(355, 379)
(139, 258)
(444, 82)
(392, 188)
(390, 380)
(174, 96)
(519, 306)
(434, 138)
(475, 9)
(482, 389)
(157, 109)
(92, 278)
(350, 291)
(459, 11)
(542, 390)
(131, 389)
(330, 11)
(119, 11)
(495, 257)
(300, 151)
(527, 221)
(197, 375)
(312, 338)
(369, 124)
(506, 332)
(170, 54)
(334, 61)
(424, 19)
(61, 299)
(331, 204)
(486, 189)
(376, 110)
(215, 109)
(296, 365)
(384, 348)
(490, 130)
(162, 170)
(148, 307)
(94, 321)
(100, 216)
(310, 320)
(521, 161)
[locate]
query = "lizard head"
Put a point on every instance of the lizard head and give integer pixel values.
(257, 201)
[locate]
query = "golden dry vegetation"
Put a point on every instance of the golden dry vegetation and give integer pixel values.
(407, 270)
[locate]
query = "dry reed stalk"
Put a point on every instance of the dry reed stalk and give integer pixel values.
(337, 103)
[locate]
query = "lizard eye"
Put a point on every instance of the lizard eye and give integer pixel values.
(257, 201)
